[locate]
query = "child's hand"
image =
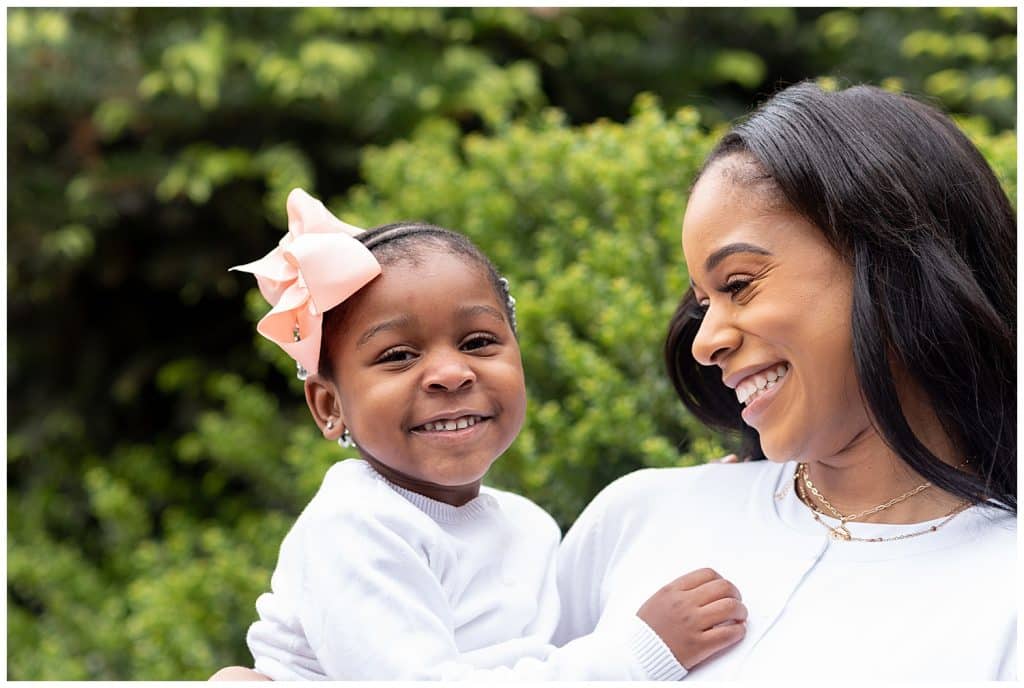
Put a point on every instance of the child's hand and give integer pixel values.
(696, 615)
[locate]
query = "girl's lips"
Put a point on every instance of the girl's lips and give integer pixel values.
(755, 409)
(458, 435)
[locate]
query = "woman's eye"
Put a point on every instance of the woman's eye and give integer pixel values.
(735, 286)
(395, 356)
(478, 342)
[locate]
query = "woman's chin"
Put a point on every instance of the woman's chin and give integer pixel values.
(776, 451)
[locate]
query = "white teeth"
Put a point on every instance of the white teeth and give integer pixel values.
(454, 424)
(755, 384)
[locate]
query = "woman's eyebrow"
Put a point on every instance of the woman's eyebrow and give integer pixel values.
(718, 256)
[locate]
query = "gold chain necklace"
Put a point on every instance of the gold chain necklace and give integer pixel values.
(845, 536)
(841, 532)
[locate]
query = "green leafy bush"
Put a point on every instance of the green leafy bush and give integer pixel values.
(583, 220)
(158, 450)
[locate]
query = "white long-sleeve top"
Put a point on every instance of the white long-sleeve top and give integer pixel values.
(377, 582)
(940, 606)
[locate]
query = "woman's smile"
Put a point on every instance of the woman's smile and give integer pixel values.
(758, 395)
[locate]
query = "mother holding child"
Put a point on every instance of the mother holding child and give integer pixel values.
(851, 313)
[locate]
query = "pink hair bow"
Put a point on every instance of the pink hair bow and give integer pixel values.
(318, 264)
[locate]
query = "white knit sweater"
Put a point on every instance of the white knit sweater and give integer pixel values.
(377, 582)
(941, 606)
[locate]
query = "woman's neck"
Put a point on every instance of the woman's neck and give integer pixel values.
(867, 474)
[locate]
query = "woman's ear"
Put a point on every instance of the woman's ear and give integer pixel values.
(325, 405)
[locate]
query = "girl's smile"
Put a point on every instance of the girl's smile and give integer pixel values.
(454, 428)
(450, 422)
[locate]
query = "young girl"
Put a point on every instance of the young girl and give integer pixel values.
(403, 566)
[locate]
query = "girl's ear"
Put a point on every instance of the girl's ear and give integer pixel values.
(325, 405)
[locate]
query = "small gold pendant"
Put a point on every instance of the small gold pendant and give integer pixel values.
(840, 533)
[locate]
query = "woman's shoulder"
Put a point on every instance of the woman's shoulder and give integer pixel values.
(651, 500)
(713, 481)
(674, 494)
(992, 528)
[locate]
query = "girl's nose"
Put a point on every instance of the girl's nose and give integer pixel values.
(715, 339)
(448, 372)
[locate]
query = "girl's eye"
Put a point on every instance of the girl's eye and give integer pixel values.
(478, 341)
(395, 355)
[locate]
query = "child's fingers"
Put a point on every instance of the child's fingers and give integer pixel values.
(722, 611)
(238, 673)
(715, 590)
(729, 458)
(695, 579)
(720, 637)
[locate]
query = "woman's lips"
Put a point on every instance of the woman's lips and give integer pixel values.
(756, 406)
(750, 386)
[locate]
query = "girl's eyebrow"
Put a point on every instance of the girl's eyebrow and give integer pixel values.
(480, 309)
(392, 324)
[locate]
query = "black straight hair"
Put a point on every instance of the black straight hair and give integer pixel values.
(407, 241)
(902, 194)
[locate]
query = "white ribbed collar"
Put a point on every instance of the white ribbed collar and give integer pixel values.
(441, 512)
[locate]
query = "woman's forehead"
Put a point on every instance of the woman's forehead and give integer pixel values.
(719, 206)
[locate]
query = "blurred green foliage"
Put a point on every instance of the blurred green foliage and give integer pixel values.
(158, 450)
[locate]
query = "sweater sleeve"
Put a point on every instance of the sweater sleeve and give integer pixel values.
(584, 560)
(372, 608)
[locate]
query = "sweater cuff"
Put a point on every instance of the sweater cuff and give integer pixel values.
(653, 654)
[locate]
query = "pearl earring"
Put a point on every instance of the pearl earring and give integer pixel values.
(330, 423)
(346, 440)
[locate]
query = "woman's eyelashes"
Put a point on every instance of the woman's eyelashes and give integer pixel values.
(734, 286)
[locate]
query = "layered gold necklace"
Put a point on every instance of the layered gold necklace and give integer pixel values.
(841, 532)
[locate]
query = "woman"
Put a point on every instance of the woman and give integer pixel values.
(852, 262)
(851, 312)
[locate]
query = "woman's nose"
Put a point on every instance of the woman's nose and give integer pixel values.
(448, 372)
(715, 339)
